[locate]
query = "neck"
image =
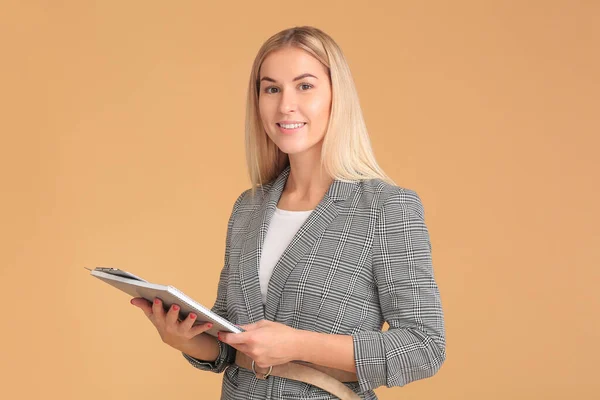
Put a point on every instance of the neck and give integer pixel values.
(306, 180)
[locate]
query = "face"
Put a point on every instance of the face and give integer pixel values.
(294, 100)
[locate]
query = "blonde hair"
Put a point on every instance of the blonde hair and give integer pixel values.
(346, 153)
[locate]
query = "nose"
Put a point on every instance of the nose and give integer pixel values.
(288, 102)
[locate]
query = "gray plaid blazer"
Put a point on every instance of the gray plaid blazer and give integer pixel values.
(362, 257)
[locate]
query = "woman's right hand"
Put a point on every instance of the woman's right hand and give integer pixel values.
(181, 335)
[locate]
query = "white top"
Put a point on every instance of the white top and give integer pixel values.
(282, 228)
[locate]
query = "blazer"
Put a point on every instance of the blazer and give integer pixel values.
(362, 257)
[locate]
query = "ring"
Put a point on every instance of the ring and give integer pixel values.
(265, 376)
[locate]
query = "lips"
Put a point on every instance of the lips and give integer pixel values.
(291, 130)
(289, 124)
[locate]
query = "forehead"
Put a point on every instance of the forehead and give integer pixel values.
(290, 62)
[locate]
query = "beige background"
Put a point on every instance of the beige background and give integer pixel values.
(122, 145)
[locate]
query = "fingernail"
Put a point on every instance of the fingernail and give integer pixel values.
(175, 307)
(193, 316)
(156, 301)
(209, 326)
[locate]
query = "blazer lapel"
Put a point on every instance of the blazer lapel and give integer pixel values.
(311, 230)
(314, 226)
(252, 249)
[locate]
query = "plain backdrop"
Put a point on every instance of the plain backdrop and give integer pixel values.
(122, 145)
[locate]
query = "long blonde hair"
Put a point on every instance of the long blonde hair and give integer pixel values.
(346, 153)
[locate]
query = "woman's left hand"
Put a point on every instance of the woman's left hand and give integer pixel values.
(268, 343)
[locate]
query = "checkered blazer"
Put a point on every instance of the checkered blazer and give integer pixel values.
(362, 257)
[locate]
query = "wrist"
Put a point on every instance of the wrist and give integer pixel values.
(301, 345)
(202, 347)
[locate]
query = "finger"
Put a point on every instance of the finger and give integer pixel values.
(233, 338)
(248, 327)
(190, 330)
(157, 309)
(173, 315)
(242, 348)
(143, 304)
(200, 328)
(188, 322)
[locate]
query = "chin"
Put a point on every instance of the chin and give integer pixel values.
(291, 150)
(295, 145)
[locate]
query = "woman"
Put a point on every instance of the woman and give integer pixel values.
(326, 251)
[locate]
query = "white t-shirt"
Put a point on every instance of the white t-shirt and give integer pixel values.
(282, 228)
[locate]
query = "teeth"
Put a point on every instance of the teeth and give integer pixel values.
(291, 126)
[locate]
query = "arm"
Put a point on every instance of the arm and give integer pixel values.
(271, 343)
(212, 354)
(396, 219)
(414, 347)
(339, 354)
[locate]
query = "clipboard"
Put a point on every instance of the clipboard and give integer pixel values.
(138, 287)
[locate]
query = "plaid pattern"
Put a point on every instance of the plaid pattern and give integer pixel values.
(362, 257)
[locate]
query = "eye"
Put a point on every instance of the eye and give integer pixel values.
(268, 89)
(305, 86)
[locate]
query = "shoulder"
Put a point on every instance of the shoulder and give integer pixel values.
(249, 200)
(384, 195)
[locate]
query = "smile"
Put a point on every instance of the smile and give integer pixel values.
(291, 128)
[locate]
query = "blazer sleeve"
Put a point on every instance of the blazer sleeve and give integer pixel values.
(414, 347)
(226, 352)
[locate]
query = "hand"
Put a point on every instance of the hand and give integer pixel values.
(266, 342)
(181, 335)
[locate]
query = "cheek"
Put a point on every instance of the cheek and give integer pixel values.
(319, 109)
(263, 111)
(268, 106)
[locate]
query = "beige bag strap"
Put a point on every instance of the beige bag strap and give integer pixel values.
(328, 379)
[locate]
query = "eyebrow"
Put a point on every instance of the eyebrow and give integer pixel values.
(266, 78)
